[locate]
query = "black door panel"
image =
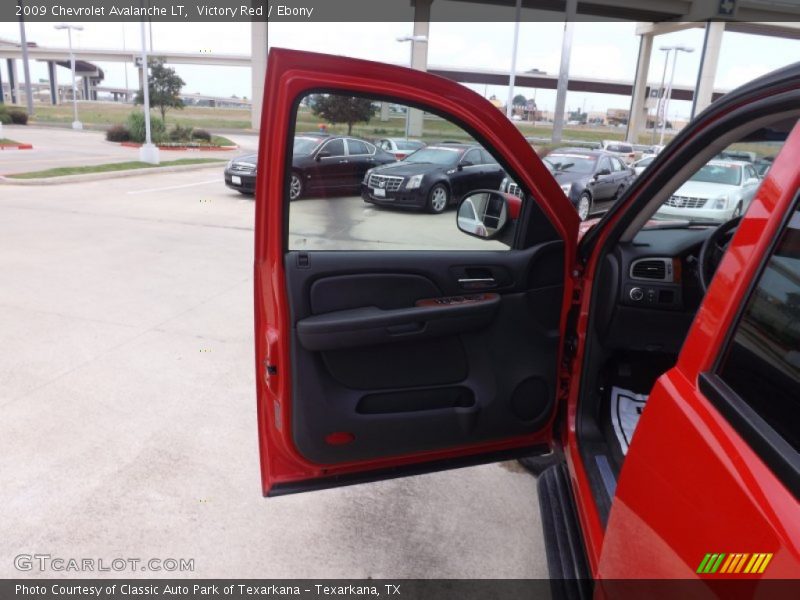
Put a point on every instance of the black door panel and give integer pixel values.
(490, 372)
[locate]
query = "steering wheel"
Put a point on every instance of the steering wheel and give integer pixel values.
(713, 249)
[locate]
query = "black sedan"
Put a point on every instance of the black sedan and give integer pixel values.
(321, 164)
(592, 179)
(432, 178)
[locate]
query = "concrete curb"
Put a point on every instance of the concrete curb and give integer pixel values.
(108, 175)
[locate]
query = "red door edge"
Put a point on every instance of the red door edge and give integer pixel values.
(290, 74)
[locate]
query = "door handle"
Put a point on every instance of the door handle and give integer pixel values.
(477, 283)
(341, 162)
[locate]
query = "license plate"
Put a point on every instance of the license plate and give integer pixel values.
(379, 192)
(236, 180)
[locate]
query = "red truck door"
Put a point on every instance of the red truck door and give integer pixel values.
(353, 384)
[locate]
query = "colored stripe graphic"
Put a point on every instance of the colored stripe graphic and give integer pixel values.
(703, 562)
(764, 564)
(736, 562)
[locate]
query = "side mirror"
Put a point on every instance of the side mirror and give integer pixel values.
(464, 163)
(752, 181)
(602, 172)
(483, 213)
(323, 154)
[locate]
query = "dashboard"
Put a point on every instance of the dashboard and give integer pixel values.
(650, 290)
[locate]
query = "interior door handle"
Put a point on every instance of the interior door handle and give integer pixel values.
(477, 283)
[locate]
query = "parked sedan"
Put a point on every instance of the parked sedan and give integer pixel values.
(719, 191)
(642, 163)
(400, 147)
(591, 179)
(432, 178)
(321, 164)
(625, 151)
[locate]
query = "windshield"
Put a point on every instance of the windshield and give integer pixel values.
(434, 155)
(570, 163)
(305, 145)
(407, 145)
(716, 173)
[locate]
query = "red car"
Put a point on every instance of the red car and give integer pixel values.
(373, 364)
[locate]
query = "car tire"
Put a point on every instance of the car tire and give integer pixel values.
(584, 206)
(438, 199)
(295, 186)
(737, 212)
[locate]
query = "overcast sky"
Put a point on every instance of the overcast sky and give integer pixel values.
(600, 50)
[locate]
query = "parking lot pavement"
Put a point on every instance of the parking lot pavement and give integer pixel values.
(128, 404)
(60, 147)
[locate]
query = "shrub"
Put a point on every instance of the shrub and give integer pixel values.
(5, 118)
(118, 133)
(180, 134)
(18, 116)
(136, 128)
(201, 134)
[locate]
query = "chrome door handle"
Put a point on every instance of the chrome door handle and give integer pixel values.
(477, 283)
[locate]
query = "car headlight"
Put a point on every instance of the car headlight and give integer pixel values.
(566, 188)
(367, 174)
(504, 184)
(720, 203)
(230, 164)
(414, 182)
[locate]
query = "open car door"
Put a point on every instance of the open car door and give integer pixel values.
(388, 342)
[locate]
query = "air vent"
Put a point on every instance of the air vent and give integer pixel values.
(659, 269)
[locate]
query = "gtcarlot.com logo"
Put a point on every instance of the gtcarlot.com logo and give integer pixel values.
(734, 563)
(47, 562)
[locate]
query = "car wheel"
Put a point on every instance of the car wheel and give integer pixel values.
(438, 198)
(295, 187)
(737, 212)
(584, 206)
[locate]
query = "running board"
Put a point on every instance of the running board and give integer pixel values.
(566, 557)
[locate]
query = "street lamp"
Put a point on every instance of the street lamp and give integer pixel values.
(148, 152)
(69, 27)
(423, 39)
(667, 49)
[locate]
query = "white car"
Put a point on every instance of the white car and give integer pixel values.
(719, 191)
(623, 150)
(400, 147)
(642, 163)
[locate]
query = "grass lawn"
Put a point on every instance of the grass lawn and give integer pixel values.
(437, 129)
(4, 141)
(106, 114)
(121, 166)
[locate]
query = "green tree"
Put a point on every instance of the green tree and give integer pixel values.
(165, 86)
(519, 100)
(342, 109)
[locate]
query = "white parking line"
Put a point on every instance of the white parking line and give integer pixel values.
(175, 187)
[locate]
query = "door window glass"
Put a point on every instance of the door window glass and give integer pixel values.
(763, 361)
(334, 147)
(367, 200)
(356, 147)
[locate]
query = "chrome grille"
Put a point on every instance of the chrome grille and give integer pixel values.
(243, 168)
(513, 188)
(391, 183)
(686, 202)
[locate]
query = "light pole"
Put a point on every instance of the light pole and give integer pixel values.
(513, 75)
(413, 39)
(76, 124)
(661, 92)
(148, 152)
(677, 49)
(25, 63)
